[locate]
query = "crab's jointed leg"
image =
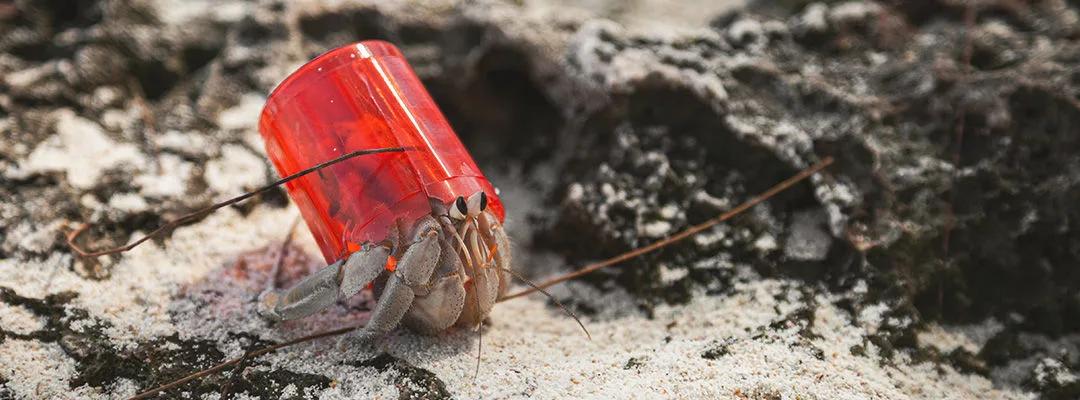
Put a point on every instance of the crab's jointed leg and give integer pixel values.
(322, 288)
(418, 292)
(413, 274)
(443, 278)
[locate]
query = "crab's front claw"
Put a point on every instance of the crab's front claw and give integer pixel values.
(439, 308)
(415, 269)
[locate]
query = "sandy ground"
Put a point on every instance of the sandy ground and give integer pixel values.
(751, 340)
(718, 346)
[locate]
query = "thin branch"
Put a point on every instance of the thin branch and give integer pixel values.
(189, 217)
(234, 361)
(685, 234)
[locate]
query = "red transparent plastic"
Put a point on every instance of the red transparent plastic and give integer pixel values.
(355, 97)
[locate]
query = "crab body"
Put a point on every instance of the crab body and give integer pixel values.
(422, 227)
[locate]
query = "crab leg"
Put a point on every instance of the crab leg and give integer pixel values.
(322, 288)
(415, 269)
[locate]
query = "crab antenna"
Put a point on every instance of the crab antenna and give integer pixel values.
(685, 234)
(538, 288)
(271, 283)
(196, 214)
(476, 290)
(535, 288)
(253, 354)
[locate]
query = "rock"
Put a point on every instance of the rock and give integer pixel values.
(1055, 379)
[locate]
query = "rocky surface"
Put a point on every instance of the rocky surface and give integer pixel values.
(935, 259)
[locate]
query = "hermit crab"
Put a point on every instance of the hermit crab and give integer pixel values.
(393, 199)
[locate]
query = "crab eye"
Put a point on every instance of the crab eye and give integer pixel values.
(460, 208)
(483, 201)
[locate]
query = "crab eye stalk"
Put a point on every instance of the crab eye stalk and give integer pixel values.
(459, 209)
(476, 203)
